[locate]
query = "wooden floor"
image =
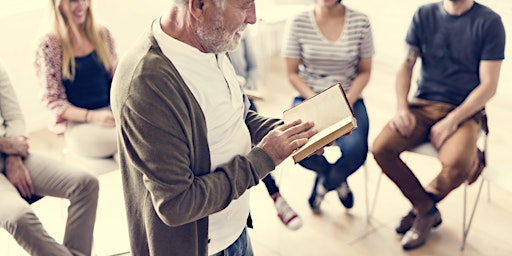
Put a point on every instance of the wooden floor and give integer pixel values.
(340, 232)
(336, 231)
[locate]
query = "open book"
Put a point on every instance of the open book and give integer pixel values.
(332, 115)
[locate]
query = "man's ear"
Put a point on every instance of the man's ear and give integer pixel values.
(196, 8)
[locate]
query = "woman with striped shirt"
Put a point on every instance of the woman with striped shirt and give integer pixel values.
(332, 43)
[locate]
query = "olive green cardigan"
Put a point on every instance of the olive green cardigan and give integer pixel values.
(165, 160)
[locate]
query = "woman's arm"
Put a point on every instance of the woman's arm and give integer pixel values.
(292, 71)
(48, 65)
(364, 70)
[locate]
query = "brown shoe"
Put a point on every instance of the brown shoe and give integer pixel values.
(418, 234)
(478, 168)
(405, 223)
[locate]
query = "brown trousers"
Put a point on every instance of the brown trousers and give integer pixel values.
(456, 154)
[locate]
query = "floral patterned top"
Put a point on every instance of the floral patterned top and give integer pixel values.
(48, 65)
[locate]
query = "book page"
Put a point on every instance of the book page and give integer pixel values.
(331, 113)
(324, 109)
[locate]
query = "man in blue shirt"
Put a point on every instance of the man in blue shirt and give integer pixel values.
(461, 45)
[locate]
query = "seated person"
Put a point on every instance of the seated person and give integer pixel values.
(246, 67)
(26, 175)
(460, 69)
(75, 64)
(320, 51)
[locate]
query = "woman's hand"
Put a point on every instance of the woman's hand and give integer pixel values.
(102, 117)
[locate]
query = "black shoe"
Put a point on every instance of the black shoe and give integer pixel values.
(345, 195)
(405, 223)
(317, 195)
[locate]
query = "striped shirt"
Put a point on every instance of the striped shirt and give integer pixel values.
(322, 62)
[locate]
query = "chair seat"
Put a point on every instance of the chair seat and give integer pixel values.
(426, 149)
(96, 165)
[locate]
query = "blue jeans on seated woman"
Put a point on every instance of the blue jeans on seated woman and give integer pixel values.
(353, 147)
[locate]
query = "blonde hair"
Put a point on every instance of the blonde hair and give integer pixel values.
(64, 31)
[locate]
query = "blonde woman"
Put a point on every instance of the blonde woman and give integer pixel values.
(75, 63)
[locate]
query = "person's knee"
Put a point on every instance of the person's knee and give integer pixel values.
(457, 171)
(92, 183)
(88, 184)
(380, 151)
(17, 217)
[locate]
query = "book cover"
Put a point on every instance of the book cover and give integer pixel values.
(332, 115)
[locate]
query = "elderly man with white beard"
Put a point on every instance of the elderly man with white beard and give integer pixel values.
(190, 148)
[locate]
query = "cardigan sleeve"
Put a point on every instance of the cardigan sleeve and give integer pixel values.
(259, 126)
(112, 50)
(48, 64)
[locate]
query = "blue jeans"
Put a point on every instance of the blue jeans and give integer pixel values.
(240, 247)
(354, 149)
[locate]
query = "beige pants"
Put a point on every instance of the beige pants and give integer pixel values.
(51, 178)
(90, 140)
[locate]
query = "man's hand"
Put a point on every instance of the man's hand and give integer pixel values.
(443, 129)
(404, 123)
(15, 146)
(101, 117)
(282, 141)
(17, 174)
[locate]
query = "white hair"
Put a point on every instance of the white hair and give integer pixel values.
(181, 3)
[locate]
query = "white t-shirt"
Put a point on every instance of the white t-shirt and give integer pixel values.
(212, 80)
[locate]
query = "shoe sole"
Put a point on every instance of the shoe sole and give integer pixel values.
(294, 224)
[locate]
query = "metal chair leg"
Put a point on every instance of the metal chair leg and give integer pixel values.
(465, 228)
(369, 211)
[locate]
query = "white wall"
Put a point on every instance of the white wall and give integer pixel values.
(16, 51)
